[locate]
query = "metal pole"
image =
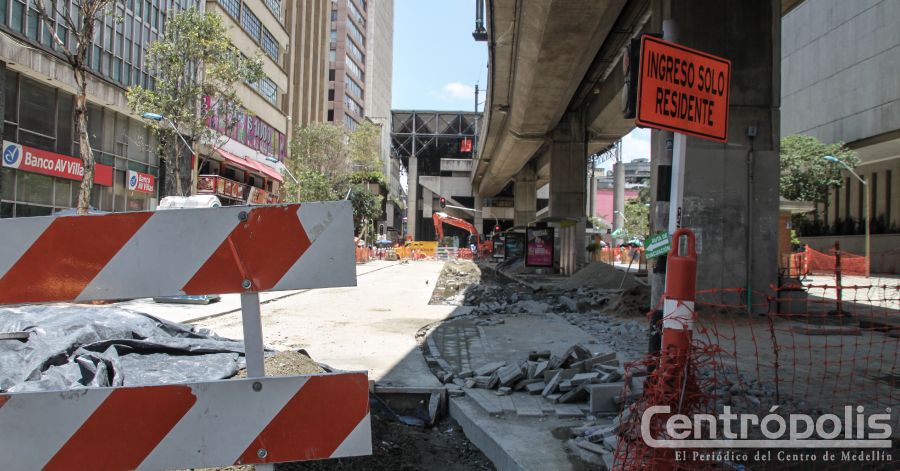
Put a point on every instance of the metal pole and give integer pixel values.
(254, 352)
(677, 194)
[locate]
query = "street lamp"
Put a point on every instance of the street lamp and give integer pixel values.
(159, 117)
(834, 159)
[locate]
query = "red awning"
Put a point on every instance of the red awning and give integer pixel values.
(251, 165)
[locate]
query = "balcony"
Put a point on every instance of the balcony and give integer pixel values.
(225, 188)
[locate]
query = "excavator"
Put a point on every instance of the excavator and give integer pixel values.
(485, 248)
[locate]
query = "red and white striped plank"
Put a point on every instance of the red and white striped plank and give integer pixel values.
(170, 253)
(219, 423)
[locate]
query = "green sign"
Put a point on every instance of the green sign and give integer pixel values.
(656, 245)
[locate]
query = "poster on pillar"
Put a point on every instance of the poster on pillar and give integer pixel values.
(683, 90)
(539, 247)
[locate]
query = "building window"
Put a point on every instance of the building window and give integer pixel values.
(332, 55)
(349, 122)
(355, 14)
(331, 94)
(330, 116)
(355, 52)
(874, 195)
(354, 32)
(351, 86)
(233, 7)
(354, 69)
(267, 88)
(333, 15)
(274, 7)
(270, 45)
(847, 199)
(331, 74)
(334, 36)
(251, 24)
(887, 198)
(353, 105)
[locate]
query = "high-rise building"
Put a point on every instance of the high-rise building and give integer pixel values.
(360, 63)
(308, 24)
(347, 57)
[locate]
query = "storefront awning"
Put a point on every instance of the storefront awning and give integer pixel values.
(251, 165)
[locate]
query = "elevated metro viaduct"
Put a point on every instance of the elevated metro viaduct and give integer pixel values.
(554, 97)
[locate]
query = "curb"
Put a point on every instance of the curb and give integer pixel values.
(482, 439)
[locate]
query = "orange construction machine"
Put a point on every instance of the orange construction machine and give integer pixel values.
(485, 247)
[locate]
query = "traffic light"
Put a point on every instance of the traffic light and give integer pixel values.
(443, 202)
(496, 227)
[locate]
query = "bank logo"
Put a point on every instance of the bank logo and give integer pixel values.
(12, 154)
(132, 182)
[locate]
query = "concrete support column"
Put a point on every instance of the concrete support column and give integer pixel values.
(525, 204)
(731, 189)
(479, 215)
(568, 173)
(412, 196)
(618, 197)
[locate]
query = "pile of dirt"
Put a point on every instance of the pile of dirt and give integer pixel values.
(455, 278)
(286, 363)
(600, 275)
(399, 447)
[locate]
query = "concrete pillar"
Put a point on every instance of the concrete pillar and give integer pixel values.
(731, 189)
(618, 197)
(525, 204)
(568, 173)
(479, 215)
(412, 196)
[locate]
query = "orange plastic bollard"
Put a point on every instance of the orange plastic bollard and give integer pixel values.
(678, 307)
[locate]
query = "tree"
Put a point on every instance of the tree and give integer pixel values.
(366, 208)
(365, 148)
(805, 174)
(74, 48)
(196, 70)
(637, 214)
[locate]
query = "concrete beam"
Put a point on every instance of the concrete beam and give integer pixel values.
(525, 197)
(535, 71)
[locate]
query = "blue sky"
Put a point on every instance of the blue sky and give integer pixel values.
(437, 63)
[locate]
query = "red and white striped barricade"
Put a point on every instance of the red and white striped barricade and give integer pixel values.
(237, 249)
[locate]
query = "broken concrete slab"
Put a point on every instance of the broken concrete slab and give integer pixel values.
(568, 410)
(576, 394)
(488, 403)
(583, 378)
(489, 368)
(535, 388)
(523, 383)
(539, 356)
(509, 374)
(552, 384)
(602, 397)
(566, 374)
(504, 391)
(593, 447)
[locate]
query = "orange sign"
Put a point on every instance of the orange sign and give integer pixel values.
(683, 90)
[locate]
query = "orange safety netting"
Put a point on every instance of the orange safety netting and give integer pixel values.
(825, 263)
(813, 351)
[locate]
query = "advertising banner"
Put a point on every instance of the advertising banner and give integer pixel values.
(141, 182)
(29, 159)
(539, 247)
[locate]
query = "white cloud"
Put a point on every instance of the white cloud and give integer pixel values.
(635, 145)
(457, 91)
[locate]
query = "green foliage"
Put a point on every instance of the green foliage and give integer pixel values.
(366, 207)
(364, 147)
(637, 218)
(805, 174)
(192, 62)
(327, 161)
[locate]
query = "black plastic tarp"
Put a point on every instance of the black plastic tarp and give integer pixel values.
(72, 346)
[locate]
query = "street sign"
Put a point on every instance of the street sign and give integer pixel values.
(656, 245)
(683, 90)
